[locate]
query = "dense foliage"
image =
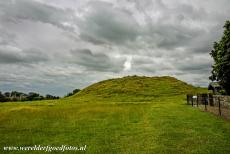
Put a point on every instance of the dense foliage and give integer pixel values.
(221, 56)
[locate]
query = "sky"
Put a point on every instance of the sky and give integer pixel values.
(55, 46)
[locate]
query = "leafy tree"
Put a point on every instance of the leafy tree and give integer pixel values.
(2, 97)
(221, 56)
(33, 96)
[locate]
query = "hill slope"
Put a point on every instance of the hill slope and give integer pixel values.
(138, 88)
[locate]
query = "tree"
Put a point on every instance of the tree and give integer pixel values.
(48, 96)
(2, 97)
(33, 96)
(221, 56)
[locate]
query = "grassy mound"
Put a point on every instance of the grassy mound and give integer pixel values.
(139, 88)
(162, 125)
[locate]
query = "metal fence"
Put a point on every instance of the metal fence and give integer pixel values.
(216, 104)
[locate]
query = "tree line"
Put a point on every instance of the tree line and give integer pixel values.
(15, 96)
(20, 96)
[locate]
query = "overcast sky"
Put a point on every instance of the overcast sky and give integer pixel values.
(55, 46)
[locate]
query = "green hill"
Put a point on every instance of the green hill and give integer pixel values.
(137, 88)
(160, 122)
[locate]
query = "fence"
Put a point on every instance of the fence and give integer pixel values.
(217, 104)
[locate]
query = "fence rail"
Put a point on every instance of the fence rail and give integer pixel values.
(217, 104)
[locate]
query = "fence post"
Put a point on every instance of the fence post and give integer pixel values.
(197, 101)
(219, 106)
(192, 101)
(187, 99)
(205, 103)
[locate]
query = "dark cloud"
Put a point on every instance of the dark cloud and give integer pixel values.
(92, 39)
(108, 23)
(15, 11)
(194, 66)
(12, 55)
(96, 61)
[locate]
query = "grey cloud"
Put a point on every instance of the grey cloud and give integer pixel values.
(204, 43)
(97, 61)
(186, 64)
(147, 64)
(195, 64)
(15, 11)
(6, 37)
(92, 39)
(204, 68)
(178, 25)
(12, 55)
(108, 23)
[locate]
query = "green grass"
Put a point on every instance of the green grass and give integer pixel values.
(162, 124)
(135, 88)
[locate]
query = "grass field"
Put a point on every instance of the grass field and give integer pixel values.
(113, 124)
